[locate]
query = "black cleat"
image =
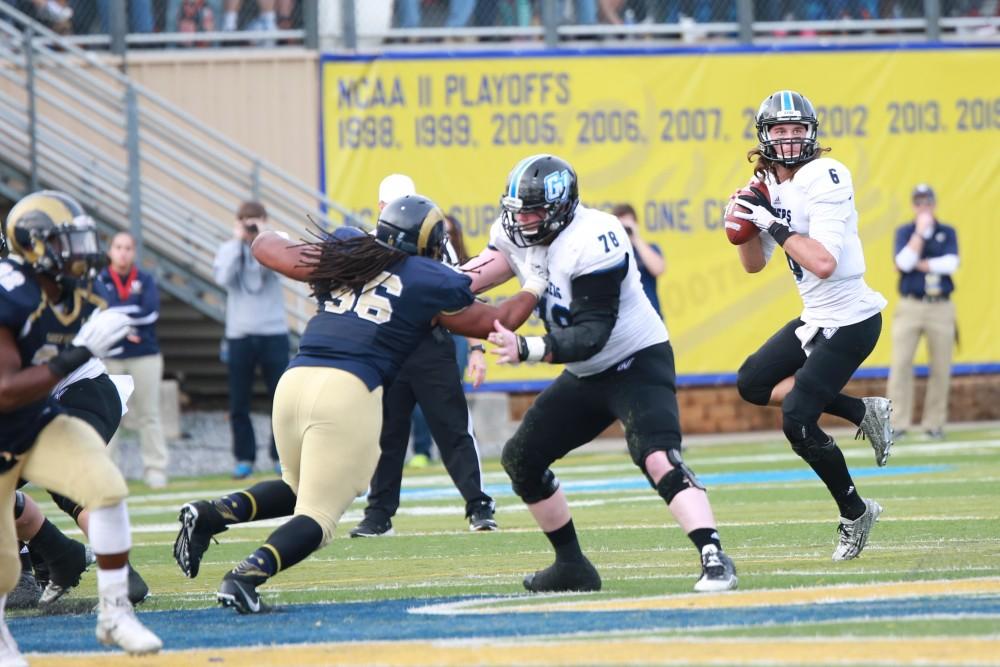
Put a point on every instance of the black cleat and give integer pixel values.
(239, 590)
(138, 591)
(480, 516)
(372, 527)
(200, 521)
(26, 594)
(564, 576)
(717, 571)
(64, 572)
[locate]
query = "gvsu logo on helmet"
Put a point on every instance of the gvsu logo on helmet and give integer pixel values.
(557, 186)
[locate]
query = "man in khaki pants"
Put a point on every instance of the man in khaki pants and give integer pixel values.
(926, 256)
(126, 287)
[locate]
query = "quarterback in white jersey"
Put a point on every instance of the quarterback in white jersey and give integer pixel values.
(619, 366)
(804, 366)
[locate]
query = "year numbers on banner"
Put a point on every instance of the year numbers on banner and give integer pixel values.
(513, 129)
(615, 127)
(976, 115)
(690, 124)
(913, 117)
(442, 130)
(356, 132)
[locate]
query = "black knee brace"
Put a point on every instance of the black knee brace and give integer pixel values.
(18, 505)
(750, 390)
(678, 479)
(66, 505)
(534, 489)
(813, 449)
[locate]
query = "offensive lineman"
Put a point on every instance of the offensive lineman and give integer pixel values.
(619, 365)
(806, 364)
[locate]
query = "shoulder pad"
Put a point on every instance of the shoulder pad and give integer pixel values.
(596, 241)
(826, 180)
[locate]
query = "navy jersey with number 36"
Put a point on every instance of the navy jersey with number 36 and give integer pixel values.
(20, 299)
(370, 332)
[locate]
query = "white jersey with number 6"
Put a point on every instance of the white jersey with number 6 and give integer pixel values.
(595, 242)
(819, 203)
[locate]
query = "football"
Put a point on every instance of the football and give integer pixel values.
(738, 230)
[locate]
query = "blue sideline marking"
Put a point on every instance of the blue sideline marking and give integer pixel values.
(637, 481)
(389, 620)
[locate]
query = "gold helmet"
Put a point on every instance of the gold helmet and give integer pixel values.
(50, 231)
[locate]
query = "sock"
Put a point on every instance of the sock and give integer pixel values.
(702, 537)
(49, 542)
(832, 469)
(288, 545)
(847, 407)
(25, 558)
(565, 543)
(267, 500)
(112, 583)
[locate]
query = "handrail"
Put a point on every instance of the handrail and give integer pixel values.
(89, 156)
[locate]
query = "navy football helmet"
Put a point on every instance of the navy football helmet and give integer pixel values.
(542, 183)
(787, 106)
(50, 231)
(413, 224)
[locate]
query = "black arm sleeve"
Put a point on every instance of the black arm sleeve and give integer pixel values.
(593, 313)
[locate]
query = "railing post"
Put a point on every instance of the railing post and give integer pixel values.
(932, 13)
(255, 180)
(744, 14)
(550, 20)
(117, 25)
(349, 24)
(29, 82)
(134, 178)
(310, 22)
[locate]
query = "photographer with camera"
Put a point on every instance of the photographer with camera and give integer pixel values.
(256, 330)
(648, 256)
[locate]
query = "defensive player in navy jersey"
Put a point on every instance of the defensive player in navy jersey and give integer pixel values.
(87, 392)
(52, 241)
(378, 296)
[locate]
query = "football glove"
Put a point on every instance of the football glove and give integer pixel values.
(763, 216)
(103, 331)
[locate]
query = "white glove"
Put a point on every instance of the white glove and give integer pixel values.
(759, 215)
(534, 269)
(103, 331)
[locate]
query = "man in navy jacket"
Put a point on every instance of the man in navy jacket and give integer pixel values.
(123, 285)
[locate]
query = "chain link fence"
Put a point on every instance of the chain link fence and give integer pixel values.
(408, 22)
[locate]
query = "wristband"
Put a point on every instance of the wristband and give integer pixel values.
(478, 347)
(69, 360)
(531, 348)
(779, 232)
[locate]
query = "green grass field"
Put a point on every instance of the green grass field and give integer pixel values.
(941, 523)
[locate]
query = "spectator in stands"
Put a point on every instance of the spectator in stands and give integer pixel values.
(123, 285)
(140, 15)
(56, 14)
(192, 15)
(926, 258)
(648, 256)
(271, 15)
(408, 13)
(256, 330)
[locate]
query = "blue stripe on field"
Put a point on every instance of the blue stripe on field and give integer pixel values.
(389, 620)
(637, 481)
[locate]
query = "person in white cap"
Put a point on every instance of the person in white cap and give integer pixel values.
(430, 380)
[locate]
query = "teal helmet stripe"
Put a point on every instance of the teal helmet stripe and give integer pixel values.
(786, 101)
(518, 172)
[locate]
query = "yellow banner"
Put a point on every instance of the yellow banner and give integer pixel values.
(668, 133)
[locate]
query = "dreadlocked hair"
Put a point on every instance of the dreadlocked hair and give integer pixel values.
(339, 264)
